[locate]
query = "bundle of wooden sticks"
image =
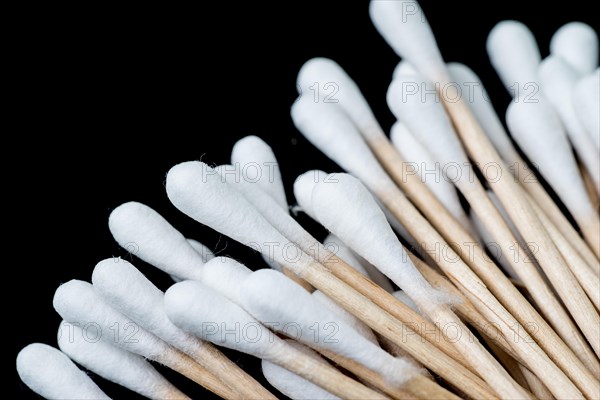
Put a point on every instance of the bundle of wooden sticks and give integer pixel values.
(411, 296)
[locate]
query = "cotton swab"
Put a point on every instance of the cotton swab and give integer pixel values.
(204, 312)
(198, 191)
(77, 302)
(115, 364)
(156, 241)
(128, 291)
(270, 296)
(223, 274)
(541, 135)
(344, 316)
(279, 303)
(577, 44)
(419, 158)
(308, 244)
(292, 385)
(358, 263)
(303, 186)
(378, 244)
(388, 18)
(257, 164)
(586, 102)
(515, 55)
(51, 374)
(558, 79)
(474, 91)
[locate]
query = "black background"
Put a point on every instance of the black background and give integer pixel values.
(118, 96)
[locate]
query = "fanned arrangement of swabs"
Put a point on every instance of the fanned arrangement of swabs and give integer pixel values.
(325, 318)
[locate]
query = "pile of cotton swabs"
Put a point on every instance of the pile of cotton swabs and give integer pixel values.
(325, 320)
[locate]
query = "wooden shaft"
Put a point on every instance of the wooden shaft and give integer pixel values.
(590, 187)
(187, 367)
(325, 376)
(418, 386)
(230, 373)
(590, 227)
(464, 308)
(509, 363)
(489, 368)
(545, 203)
(525, 268)
(588, 280)
(386, 301)
(531, 229)
(388, 326)
(490, 274)
(537, 387)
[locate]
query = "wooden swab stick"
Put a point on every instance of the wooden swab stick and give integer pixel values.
(487, 117)
(422, 52)
(50, 373)
(193, 307)
(115, 364)
(128, 291)
(292, 385)
(199, 191)
(320, 123)
(77, 302)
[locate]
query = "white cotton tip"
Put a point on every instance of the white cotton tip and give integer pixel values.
(345, 316)
(403, 297)
(339, 248)
(257, 163)
(300, 239)
(404, 27)
(515, 56)
(276, 300)
(404, 68)
(489, 242)
(577, 44)
(77, 302)
(422, 163)
(114, 364)
(474, 93)
(128, 291)
(208, 314)
(146, 234)
(201, 193)
(51, 374)
(349, 211)
(586, 101)
(225, 275)
(416, 104)
(558, 79)
(201, 249)
(330, 130)
(292, 385)
(303, 186)
(540, 134)
(336, 86)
